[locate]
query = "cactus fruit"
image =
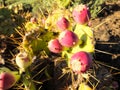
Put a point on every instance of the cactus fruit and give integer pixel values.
(23, 61)
(68, 38)
(54, 46)
(62, 23)
(80, 62)
(8, 78)
(81, 14)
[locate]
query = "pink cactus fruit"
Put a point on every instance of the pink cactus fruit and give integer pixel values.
(62, 23)
(33, 20)
(81, 14)
(7, 80)
(68, 38)
(115, 85)
(80, 62)
(54, 46)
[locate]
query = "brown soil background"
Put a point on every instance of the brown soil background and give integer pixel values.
(107, 34)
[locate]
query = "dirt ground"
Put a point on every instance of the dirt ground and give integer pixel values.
(107, 34)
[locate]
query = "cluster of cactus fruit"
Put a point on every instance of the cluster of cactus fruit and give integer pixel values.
(77, 43)
(74, 40)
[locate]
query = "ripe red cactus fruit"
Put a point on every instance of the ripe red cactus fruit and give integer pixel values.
(68, 38)
(62, 23)
(81, 14)
(80, 62)
(54, 46)
(7, 80)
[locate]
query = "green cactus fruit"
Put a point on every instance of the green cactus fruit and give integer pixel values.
(23, 61)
